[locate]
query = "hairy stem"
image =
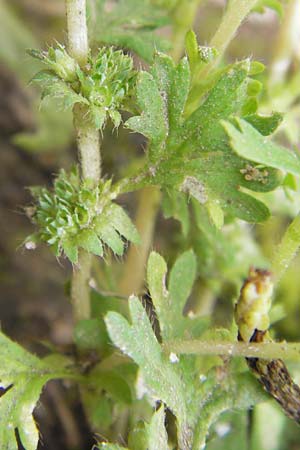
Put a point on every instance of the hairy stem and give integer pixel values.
(133, 276)
(287, 249)
(265, 350)
(77, 30)
(236, 12)
(88, 141)
(80, 290)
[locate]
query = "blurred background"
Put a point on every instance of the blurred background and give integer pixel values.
(35, 142)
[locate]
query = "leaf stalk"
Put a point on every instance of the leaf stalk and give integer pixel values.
(264, 350)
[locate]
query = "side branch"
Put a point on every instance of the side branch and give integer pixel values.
(266, 350)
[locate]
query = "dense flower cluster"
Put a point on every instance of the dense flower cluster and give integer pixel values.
(105, 84)
(75, 214)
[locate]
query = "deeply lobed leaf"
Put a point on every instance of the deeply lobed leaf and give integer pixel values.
(23, 376)
(192, 154)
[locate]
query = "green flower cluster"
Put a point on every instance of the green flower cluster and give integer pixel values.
(105, 84)
(108, 84)
(76, 215)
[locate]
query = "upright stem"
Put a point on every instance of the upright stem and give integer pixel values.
(287, 43)
(77, 30)
(88, 141)
(236, 12)
(133, 276)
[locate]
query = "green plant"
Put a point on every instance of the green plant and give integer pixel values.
(210, 163)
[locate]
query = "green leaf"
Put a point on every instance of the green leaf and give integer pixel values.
(98, 116)
(240, 392)
(88, 240)
(232, 176)
(216, 214)
(160, 378)
(53, 86)
(151, 123)
(157, 435)
(254, 87)
(23, 376)
(181, 281)
(169, 303)
(156, 279)
(173, 84)
(113, 383)
(266, 125)
(193, 155)
(161, 97)
(70, 249)
(256, 67)
(192, 49)
(109, 236)
(121, 222)
(203, 130)
(250, 144)
(219, 177)
(116, 118)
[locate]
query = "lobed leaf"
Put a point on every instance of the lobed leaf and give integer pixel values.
(157, 434)
(22, 376)
(121, 222)
(203, 130)
(192, 154)
(152, 123)
(248, 143)
(169, 304)
(53, 86)
(160, 377)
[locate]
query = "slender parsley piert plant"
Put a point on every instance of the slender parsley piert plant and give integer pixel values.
(209, 159)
